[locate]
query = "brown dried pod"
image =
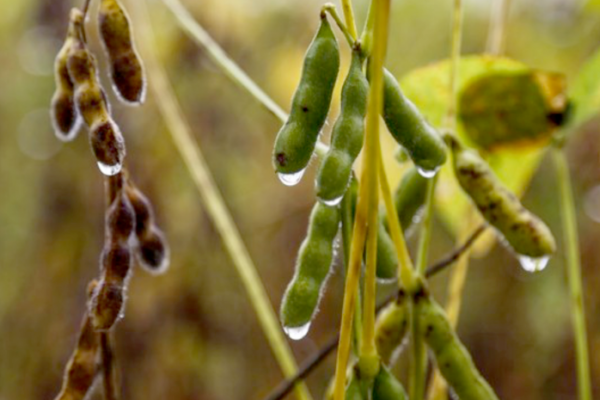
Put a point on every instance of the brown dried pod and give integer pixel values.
(82, 369)
(120, 219)
(108, 146)
(152, 249)
(107, 303)
(65, 117)
(126, 68)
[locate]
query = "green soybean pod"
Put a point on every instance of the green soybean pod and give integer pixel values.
(387, 260)
(453, 359)
(527, 235)
(355, 389)
(387, 387)
(347, 136)
(126, 68)
(390, 329)
(65, 117)
(410, 196)
(297, 138)
(312, 268)
(410, 129)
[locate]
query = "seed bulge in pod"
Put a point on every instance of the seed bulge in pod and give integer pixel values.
(108, 146)
(153, 251)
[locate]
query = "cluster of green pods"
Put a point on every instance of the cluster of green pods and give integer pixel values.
(526, 234)
(385, 386)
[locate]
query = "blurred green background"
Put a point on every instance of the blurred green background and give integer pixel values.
(191, 334)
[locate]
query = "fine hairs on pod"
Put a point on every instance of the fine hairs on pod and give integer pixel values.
(296, 140)
(106, 139)
(108, 300)
(65, 116)
(313, 265)
(150, 245)
(126, 69)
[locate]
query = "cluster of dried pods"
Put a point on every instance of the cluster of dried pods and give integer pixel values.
(130, 227)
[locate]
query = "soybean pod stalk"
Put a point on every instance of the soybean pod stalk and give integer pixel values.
(571, 245)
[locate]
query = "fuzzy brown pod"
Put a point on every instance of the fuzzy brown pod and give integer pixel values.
(151, 248)
(64, 114)
(126, 69)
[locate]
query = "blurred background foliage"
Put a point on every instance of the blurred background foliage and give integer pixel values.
(191, 334)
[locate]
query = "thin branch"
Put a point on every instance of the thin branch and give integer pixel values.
(456, 254)
(309, 365)
(212, 199)
(86, 7)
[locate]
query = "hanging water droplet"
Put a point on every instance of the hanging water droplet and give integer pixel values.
(428, 173)
(109, 170)
(291, 179)
(297, 332)
(332, 202)
(531, 264)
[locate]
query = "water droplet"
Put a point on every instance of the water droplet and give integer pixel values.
(109, 170)
(291, 179)
(428, 173)
(332, 202)
(297, 332)
(531, 264)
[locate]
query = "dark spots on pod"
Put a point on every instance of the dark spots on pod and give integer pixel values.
(281, 159)
(128, 77)
(304, 109)
(428, 330)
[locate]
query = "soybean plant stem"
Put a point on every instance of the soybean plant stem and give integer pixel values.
(86, 7)
(330, 8)
(405, 266)
(213, 201)
(366, 207)
(349, 17)
(571, 244)
(418, 370)
(227, 65)
(346, 210)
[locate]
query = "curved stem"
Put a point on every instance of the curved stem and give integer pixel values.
(571, 243)
(330, 8)
(349, 17)
(213, 200)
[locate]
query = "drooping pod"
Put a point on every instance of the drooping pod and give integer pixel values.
(297, 138)
(387, 387)
(453, 359)
(302, 296)
(410, 129)
(106, 139)
(346, 137)
(108, 300)
(82, 368)
(65, 117)
(524, 232)
(126, 69)
(151, 247)
(390, 329)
